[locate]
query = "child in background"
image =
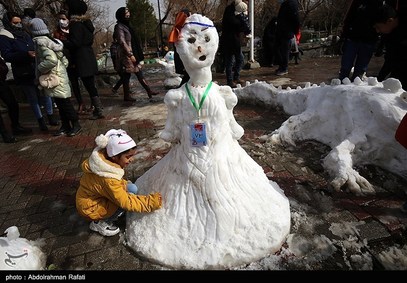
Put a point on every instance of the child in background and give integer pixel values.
(103, 193)
(295, 48)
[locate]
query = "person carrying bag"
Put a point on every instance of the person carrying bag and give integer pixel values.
(50, 80)
(51, 62)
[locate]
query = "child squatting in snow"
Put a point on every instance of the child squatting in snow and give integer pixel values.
(103, 193)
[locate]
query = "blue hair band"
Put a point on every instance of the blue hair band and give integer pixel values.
(199, 24)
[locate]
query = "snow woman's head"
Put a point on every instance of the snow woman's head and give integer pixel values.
(197, 42)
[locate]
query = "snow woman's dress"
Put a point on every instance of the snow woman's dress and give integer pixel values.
(219, 208)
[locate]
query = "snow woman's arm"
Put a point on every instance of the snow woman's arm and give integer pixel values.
(171, 132)
(230, 101)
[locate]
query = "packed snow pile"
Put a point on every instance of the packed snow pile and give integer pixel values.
(19, 253)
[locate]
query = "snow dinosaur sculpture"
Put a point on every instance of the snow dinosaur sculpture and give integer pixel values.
(353, 141)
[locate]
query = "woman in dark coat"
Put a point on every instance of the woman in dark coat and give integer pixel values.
(288, 25)
(17, 47)
(269, 41)
(130, 54)
(79, 43)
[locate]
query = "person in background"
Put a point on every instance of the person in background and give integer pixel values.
(13, 109)
(61, 33)
(295, 50)
(269, 41)
(117, 85)
(9, 99)
(28, 15)
(79, 43)
(130, 54)
(288, 25)
(393, 30)
(50, 58)
(234, 23)
(103, 194)
(359, 38)
(173, 37)
(18, 48)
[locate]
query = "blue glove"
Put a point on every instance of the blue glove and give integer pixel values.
(132, 188)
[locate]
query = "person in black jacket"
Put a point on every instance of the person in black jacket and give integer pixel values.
(17, 48)
(179, 66)
(288, 25)
(394, 35)
(79, 43)
(61, 32)
(13, 109)
(393, 27)
(234, 24)
(269, 42)
(359, 38)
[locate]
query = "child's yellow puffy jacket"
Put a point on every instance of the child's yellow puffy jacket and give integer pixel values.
(103, 190)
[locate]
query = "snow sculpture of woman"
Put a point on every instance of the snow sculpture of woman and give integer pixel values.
(219, 208)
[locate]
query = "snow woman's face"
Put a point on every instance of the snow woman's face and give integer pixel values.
(198, 42)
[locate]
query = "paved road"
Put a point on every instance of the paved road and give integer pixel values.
(330, 230)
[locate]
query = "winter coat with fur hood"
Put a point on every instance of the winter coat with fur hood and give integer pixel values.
(103, 190)
(79, 44)
(48, 53)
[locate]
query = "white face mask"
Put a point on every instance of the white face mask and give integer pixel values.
(63, 23)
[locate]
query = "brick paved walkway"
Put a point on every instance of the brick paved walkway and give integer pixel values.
(39, 176)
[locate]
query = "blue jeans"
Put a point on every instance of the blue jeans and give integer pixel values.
(233, 65)
(357, 55)
(32, 94)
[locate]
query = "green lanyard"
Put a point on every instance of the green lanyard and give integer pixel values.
(198, 108)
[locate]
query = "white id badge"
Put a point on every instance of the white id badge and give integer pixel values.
(198, 134)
